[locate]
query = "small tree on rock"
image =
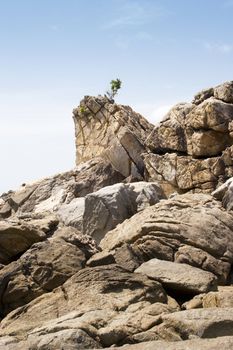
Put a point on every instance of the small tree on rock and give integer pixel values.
(115, 85)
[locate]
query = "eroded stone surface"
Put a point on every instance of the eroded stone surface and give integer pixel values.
(179, 277)
(190, 228)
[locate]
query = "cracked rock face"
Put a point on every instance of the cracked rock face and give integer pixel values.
(114, 132)
(103, 257)
(191, 149)
(188, 228)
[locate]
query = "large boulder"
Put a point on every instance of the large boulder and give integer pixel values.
(190, 228)
(111, 205)
(189, 324)
(43, 267)
(179, 277)
(17, 236)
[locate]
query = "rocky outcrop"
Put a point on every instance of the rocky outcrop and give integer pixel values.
(190, 150)
(103, 256)
(112, 131)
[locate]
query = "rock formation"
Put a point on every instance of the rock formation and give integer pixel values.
(133, 248)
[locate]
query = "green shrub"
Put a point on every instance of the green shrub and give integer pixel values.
(115, 85)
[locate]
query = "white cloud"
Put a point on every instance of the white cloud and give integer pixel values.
(223, 48)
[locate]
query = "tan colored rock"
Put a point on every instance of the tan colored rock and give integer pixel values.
(161, 231)
(96, 295)
(179, 277)
(205, 126)
(223, 298)
(114, 132)
(16, 238)
(170, 133)
(45, 266)
(225, 343)
(184, 173)
(212, 323)
(224, 92)
(211, 114)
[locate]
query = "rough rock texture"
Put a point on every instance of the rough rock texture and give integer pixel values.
(151, 258)
(181, 325)
(222, 298)
(225, 343)
(48, 195)
(224, 193)
(179, 277)
(191, 147)
(108, 304)
(190, 228)
(43, 267)
(112, 131)
(112, 205)
(16, 238)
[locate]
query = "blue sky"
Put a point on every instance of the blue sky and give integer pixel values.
(53, 52)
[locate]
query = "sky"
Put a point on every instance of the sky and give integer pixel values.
(53, 52)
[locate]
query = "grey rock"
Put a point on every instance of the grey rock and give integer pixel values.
(108, 207)
(179, 277)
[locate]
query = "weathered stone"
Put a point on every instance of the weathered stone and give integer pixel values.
(45, 266)
(96, 296)
(224, 92)
(179, 277)
(184, 173)
(192, 220)
(71, 214)
(203, 95)
(49, 194)
(224, 193)
(205, 126)
(111, 131)
(212, 323)
(225, 343)
(112, 205)
(223, 298)
(16, 238)
(170, 134)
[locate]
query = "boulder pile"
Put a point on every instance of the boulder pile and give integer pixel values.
(133, 248)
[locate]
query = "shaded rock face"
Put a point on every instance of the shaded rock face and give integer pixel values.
(99, 257)
(114, 132)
